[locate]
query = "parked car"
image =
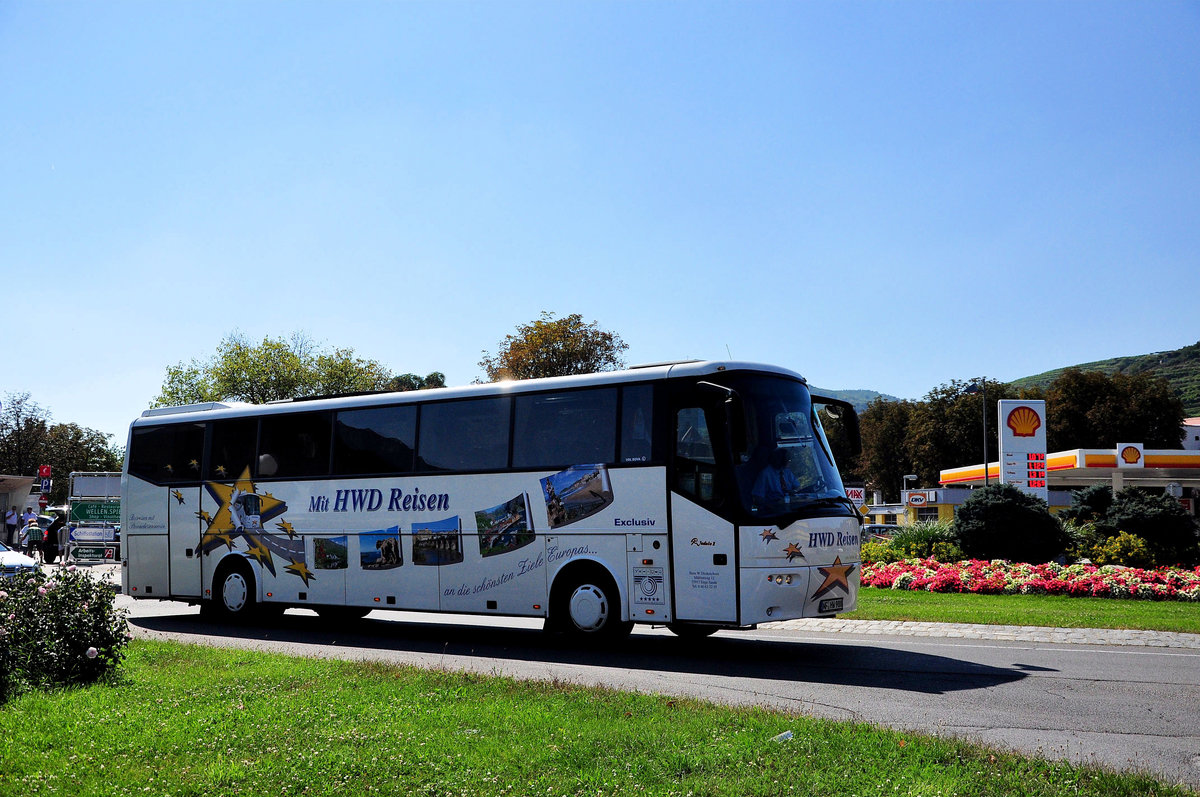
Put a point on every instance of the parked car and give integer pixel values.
(13, 563)
(881, 531)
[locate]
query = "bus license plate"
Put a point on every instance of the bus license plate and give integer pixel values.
(830, 605)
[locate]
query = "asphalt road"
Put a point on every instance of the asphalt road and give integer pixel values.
(1125, 707)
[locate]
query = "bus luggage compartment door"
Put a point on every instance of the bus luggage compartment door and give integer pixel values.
(704, 564)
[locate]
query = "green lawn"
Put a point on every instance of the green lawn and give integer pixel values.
(1044, 610)
(186, 720)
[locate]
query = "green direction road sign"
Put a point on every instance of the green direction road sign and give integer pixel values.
(96, 511)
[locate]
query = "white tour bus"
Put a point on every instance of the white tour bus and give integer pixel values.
(695, 495)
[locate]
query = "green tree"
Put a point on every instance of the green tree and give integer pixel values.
(278, 369)
(884, 460)
(1089, 409)
(946, 428)
(405, 382)
(553, 346)
(28, 439)
(23, 429)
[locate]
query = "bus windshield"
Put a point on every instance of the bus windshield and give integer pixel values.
(785, 464)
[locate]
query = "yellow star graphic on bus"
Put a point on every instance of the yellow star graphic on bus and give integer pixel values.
(259, 553)
(768, 535)
(194, 464)
(212, 539)
(792, 551)
(178, 495)
(286, 528)
(202, 515)
(221, 470)
(300, 569)
(837, 576)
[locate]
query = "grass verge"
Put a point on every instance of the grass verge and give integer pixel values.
(1056, 611)
(187, 720)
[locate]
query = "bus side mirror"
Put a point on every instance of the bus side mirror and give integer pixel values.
(843, 411)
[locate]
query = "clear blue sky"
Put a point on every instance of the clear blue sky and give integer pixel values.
(877, 195)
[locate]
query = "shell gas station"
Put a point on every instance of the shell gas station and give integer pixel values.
(1052, 476)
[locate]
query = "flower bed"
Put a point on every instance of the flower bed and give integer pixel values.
(999, 577)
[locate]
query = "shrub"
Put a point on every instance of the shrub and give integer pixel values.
(878, 553)
(927, 540)
(1159, 520)
(1123, 549)
(58, 630)
(1082, 538)
(1002, 522)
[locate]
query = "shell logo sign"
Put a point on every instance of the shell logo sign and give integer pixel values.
(1131, 455)
(1024, 422)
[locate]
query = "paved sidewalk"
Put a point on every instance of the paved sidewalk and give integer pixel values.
(1014, 633)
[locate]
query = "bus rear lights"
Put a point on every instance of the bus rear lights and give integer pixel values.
(537, 607)
(779, 578)
(270, 594)
(649, 611)
(647, 561)
(377, 600)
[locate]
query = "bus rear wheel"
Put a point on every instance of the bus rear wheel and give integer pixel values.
(587, 607)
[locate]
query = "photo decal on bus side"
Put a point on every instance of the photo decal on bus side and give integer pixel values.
(504, 527)
(380, 550)
(576, 493)
(330, 553)
(438, 542)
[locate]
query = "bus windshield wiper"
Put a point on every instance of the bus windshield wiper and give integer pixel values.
(827, 501)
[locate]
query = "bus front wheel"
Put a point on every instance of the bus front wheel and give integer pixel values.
(233, 593)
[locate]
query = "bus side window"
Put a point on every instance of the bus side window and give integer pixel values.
(377, 440)
(571, 428)
(167, 454)
(294, 445)
(231, 452)
(464, 436)
(695, 463)
(637, 414)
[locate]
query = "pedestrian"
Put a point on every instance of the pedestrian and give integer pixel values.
(50, 546)
(10, 526)
(35, 535)
(28, 516)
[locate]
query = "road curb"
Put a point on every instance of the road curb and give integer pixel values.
(1011, 633)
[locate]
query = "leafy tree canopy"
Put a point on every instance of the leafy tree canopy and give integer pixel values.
(553, 346)
(28, 438)
(1089, 409)
(278, 369)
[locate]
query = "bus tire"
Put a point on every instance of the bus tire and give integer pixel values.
(586, 604)
(692, 630)
(234, 591)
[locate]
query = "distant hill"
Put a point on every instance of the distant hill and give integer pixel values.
(1180, 367)
(859, 398)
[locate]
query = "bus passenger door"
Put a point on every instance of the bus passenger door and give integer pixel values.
(703, 563)
(184, 527)
(703, 549)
